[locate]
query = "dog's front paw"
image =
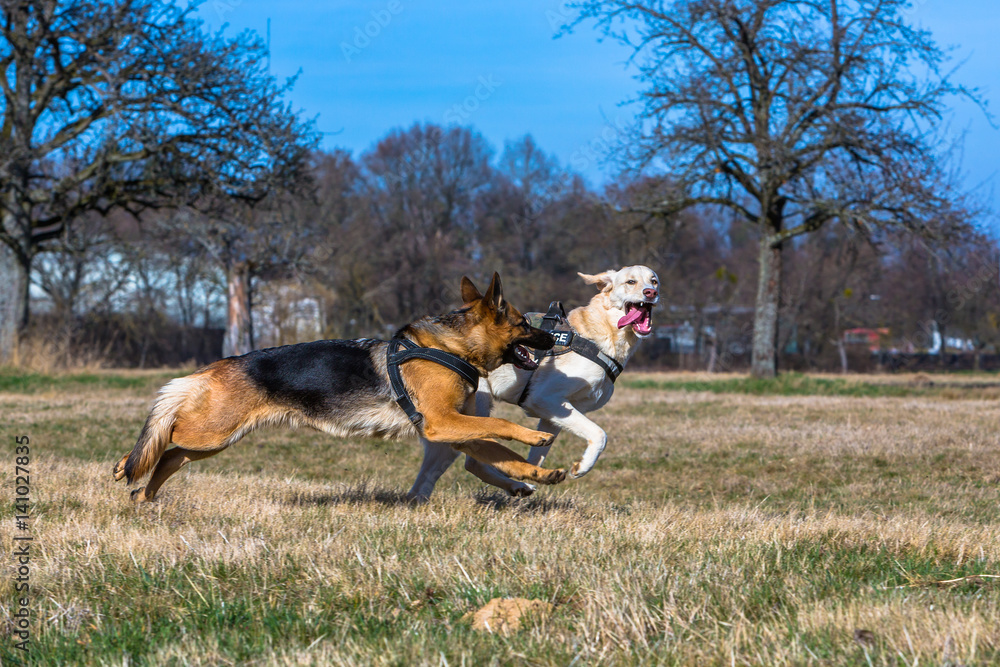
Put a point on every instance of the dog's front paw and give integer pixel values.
(119, 471)
(551, 476)
(543, 439)
(137, 496)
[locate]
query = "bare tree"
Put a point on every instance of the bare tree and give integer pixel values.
(422, 185)
(80, 269)
(830, 281)
(536, 181)
(339, 265)
(246, 242)
(793, 113)
(125, 104)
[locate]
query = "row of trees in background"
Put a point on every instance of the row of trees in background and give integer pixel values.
(384, 238)
(784, 177)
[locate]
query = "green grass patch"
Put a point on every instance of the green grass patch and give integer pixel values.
(715, 529)
(15, 381)
(798, 384)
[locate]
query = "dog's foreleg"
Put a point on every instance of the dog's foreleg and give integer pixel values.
(492, 476)
(489, 474)
(507, 462)
(567, 417)
(454, 427)
(438, 457)
(595, 446)
(537, 454)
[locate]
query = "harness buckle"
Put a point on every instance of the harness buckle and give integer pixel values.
(554, 316)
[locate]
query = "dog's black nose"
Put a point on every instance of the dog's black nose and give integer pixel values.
(649, 293)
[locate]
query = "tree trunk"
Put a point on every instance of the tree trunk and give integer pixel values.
(764, 363)
(13, 302)
(239, 326)
(942, 359)
(841, 348)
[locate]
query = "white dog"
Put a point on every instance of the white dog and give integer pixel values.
(565, 386)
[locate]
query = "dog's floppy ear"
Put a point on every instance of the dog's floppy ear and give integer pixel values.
(494, 294)
(469, 291)
(604, 281)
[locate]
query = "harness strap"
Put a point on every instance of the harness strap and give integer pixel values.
(585, 347)
(588, 348)
(394, 357)
(554, 316)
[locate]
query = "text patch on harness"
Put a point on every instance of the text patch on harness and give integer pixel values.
(567, 340)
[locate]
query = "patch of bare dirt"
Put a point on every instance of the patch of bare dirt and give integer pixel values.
(506, 615)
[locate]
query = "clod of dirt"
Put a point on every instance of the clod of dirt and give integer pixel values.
(505, 615)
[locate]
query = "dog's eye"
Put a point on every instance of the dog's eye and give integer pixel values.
(654, 282)
(631, 282)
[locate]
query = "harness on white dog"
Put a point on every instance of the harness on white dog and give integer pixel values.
(394, 357)
(570, 341)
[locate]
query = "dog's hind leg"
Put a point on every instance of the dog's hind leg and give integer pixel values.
(438, 457)
(172, 460)
(120, 467)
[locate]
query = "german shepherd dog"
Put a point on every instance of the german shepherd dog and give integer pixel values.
(342, 387)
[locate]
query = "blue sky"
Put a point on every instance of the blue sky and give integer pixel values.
(497, 66)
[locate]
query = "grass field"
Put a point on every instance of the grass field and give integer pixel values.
(807, 520)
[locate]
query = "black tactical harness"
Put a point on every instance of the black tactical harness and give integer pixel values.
(394, 357)
(572, 342)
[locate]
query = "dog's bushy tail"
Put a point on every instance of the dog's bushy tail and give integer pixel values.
(159, 426)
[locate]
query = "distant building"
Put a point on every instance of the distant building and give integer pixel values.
(877, 340)
(285, 313)
(683, 338)
(870, 338)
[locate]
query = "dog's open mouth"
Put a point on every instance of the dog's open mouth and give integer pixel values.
(522, 358)
(640, 316)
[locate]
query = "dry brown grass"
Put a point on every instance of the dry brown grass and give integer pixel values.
(51, 355)
(716, 529)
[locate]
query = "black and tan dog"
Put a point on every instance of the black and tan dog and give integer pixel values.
(342, 387)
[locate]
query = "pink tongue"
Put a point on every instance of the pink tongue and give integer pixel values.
(633, 315)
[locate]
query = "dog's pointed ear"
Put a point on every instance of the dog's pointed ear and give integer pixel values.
(469, 291)
(494, 294)
(604, 281)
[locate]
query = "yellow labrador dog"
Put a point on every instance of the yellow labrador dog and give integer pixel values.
(564, 387)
